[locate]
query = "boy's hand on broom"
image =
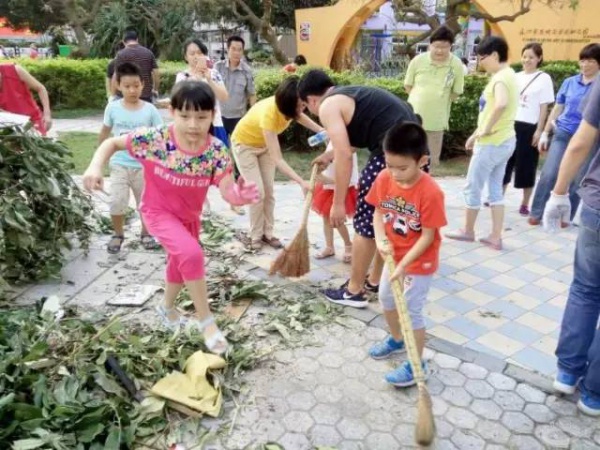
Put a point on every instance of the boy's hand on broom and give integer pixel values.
(93, 179)
(399, 274)
(383, 248)
(242, 193)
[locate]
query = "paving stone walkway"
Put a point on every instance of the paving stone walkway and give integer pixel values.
(503, 307)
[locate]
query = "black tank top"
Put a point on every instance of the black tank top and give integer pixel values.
(376, 111)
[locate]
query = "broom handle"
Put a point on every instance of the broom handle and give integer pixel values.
(309, 195)
(405, 323)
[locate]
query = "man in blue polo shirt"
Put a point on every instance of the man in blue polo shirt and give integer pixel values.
(578, 349)
(564, 120)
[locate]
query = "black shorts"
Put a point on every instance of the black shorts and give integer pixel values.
(363, 217)
(524, 160)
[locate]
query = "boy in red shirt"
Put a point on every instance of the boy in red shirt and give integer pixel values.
(409, 212)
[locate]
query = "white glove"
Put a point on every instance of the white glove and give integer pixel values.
(557, 212)
(544, 141)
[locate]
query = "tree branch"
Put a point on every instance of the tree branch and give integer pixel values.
(524, 9)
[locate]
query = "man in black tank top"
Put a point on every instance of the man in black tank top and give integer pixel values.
(355, 117)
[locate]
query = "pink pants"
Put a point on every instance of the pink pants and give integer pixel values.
(185, 257)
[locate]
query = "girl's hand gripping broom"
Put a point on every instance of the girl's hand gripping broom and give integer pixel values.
(425, 427)
(294, 260)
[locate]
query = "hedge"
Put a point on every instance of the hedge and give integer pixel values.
(80, 84)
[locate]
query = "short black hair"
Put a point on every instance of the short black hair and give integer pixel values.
(442, 33)
(406, 139)
(191, 95)
(491, 44)
(236, 38)
(537, 50)
(286, 97)
(300, 60)
(203, 48)
(130, 35)
(314, 82)
(128, 69)
(590, 51)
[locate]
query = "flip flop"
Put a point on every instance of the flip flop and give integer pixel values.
(496, 245)
(460, 235)
(327, 252)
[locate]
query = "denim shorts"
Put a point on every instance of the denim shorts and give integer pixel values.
(487, 166)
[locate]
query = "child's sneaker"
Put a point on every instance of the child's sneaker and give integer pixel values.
(387, 347)
(403, 376)
(564, 382)
(588, 403)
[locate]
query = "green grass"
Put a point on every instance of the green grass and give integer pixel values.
(84, 144)
(76, 113)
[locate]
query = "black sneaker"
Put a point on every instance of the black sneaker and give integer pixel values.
(370, 288)
(341, 296)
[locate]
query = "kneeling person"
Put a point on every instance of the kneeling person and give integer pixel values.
(409, 212)
(121, 117)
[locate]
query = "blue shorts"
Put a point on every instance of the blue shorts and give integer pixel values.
(363, 217)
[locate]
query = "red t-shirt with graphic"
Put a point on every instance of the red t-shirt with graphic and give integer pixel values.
(406, 211)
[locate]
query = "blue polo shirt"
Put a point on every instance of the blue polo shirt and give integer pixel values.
(572, 91)
(590, 186)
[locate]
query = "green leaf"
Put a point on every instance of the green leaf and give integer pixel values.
(152, 406)
(88, 434)
(107, 384)
(6, 400)
(28, 444)
(24, 411)
(113, 440)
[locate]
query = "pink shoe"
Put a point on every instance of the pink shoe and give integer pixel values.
(460, 235)
(492, 243)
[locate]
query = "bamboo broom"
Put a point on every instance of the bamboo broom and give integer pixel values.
(425, 427)
(294, 259)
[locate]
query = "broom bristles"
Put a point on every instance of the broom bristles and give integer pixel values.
(294, 260)
(425, 428)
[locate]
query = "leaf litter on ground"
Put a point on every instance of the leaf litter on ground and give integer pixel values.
(55, 392)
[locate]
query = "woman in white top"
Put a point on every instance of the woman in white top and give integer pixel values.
(195, 54)
(536, 93)
(322, 202)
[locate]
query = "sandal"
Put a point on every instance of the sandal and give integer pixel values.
(148, 242)
(347, 258)
(167, 322)
(216, 343)
(243, 237)
(327, 252)
(272, 241)
(114, 245)
(460, 235)
(496, 244)
(238, 210)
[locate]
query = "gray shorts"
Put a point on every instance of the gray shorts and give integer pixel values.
(416, 288)
(124, 180)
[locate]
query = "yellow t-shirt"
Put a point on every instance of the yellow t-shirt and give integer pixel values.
(432, 85)
(264, 115)
(505, 127)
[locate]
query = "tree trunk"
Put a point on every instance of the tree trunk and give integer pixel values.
(269, 35)
(82, 39)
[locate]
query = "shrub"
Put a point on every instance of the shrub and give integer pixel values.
(41, 208)
(80, 84)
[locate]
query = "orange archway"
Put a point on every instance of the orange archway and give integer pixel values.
(326, 35)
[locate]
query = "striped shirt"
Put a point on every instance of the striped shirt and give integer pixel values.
(144, 58)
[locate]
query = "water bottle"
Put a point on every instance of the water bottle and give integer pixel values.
(319, 138)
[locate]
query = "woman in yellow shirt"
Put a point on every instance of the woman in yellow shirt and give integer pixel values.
(257, 152)
(492, 143)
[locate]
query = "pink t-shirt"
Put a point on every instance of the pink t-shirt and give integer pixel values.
(176, 181)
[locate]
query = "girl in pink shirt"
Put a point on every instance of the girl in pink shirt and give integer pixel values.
(180, 162)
